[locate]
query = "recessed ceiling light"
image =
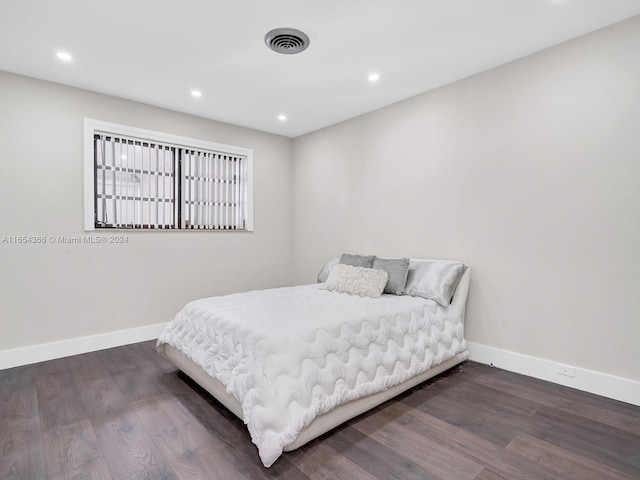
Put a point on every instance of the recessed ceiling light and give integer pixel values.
(282, 118)
(64, 56)
(123, 157)
(374, 77)
(196, 93)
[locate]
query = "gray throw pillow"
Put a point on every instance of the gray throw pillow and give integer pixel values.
(397, 268)
(357, 260)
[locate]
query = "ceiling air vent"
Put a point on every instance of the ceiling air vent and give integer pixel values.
(286, 40)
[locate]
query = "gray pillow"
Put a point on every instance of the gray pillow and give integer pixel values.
(357, 260)
(434, 279)
(397, 268)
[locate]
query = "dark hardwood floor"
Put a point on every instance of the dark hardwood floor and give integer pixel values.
(125, 413)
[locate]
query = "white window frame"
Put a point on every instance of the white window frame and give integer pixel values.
(91, 127)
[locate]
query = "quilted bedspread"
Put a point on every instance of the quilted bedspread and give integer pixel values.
(291, 354)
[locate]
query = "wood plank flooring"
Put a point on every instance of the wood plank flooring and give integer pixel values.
(125, 413)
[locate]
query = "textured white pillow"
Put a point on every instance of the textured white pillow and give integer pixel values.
(365, 282)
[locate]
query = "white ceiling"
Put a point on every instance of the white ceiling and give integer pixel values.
(157, 51)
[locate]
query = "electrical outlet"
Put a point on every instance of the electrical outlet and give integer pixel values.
(566, 370)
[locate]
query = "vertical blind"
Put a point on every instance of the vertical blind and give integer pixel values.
(150, 185)
(213, 191)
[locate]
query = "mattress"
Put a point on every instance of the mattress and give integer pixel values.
(287, 357)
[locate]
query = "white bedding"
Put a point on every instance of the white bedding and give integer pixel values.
(291, 354)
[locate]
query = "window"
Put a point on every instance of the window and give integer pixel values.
(140, 179)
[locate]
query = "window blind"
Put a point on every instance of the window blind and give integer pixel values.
(146, 184)
(213, 190)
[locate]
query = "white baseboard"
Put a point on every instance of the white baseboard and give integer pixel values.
(75, 346)
(590, 381)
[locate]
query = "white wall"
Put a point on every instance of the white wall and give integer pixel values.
(529, 172)
(56, 292)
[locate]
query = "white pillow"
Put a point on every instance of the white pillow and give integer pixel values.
(434, 279)
(365, 282)
(324, 273)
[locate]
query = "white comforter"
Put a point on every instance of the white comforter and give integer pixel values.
(291, 354)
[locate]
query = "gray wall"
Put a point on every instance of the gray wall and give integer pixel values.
(55, 292)
(529, 172)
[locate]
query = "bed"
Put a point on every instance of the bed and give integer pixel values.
(295, 362)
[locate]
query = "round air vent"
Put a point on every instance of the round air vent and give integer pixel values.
(286, 40)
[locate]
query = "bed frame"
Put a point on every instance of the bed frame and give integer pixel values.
(329, 420)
